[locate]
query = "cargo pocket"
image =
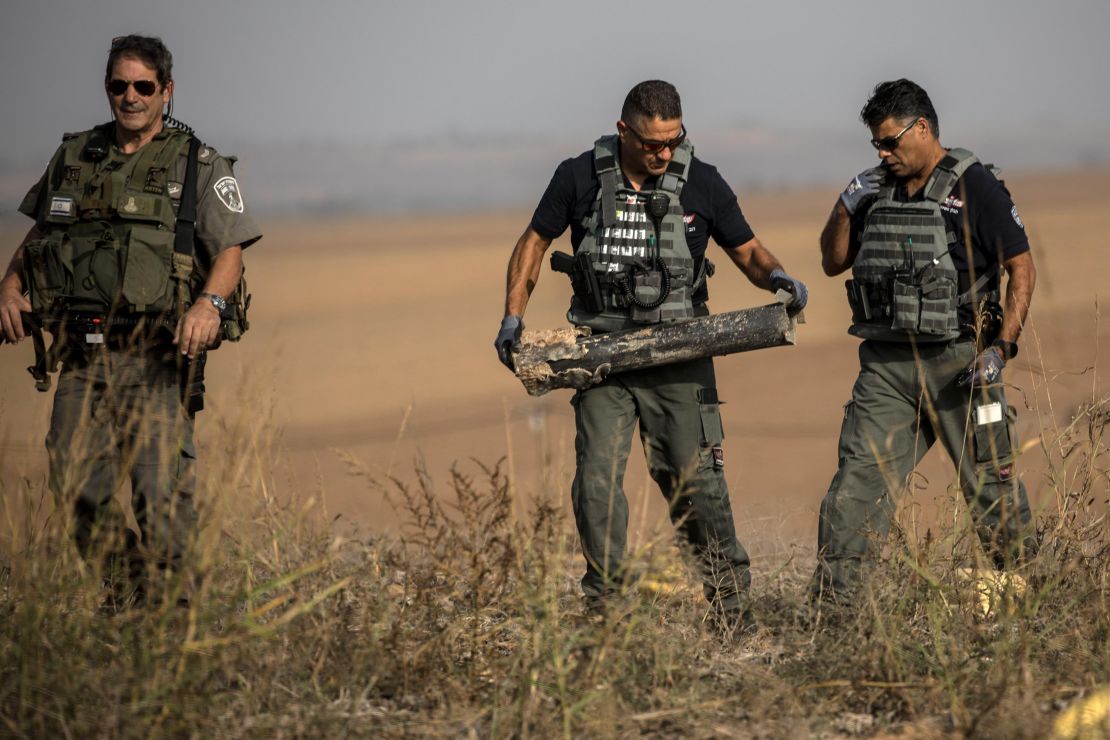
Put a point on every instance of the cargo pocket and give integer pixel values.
(994, 436)
(712, 431)
(907, 307)
(48, 270)
(147, 270)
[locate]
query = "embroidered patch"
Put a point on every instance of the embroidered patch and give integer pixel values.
(718, 458)
(174, 189)
(61, 206)
(154, 178)
(130, 206)
(1017, 218)
(73, 175)
(227, 188)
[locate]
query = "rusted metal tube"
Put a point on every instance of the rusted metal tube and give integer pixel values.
(573, 358)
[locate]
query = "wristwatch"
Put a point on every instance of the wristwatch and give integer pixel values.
(217, 301)
(1009, 350)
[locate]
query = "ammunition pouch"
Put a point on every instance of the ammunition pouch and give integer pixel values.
(48, 272)
(907, 304)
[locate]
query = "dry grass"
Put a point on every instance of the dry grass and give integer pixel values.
(466, 621)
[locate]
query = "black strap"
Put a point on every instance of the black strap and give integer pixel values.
(45, 361)
(975, 291)
(185, 230)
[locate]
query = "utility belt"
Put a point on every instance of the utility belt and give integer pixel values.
(92, 328)
(78, 333)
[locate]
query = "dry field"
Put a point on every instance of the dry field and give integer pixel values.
(371, 357)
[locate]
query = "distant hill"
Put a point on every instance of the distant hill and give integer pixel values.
(460, 173)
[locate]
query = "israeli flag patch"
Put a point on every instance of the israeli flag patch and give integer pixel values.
(61, 206)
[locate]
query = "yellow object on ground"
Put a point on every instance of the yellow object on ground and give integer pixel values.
(670, 581)
(1086, 719)
(997, 589)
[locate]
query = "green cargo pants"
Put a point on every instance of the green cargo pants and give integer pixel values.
(118, 417)
(680, 427)
(901, 404)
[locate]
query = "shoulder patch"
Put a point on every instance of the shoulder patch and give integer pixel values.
(1017, 218)
(227, 190)
(206, 154)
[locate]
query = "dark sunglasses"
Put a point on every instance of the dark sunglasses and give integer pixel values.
(890, 143)
(651, 146)
(146, 88)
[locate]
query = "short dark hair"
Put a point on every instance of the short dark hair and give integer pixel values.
(899, 99)
(652, 99)
(148, 49)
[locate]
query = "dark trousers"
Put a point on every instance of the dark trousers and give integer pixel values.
(904, 401)
(118, 418)
(680, 428)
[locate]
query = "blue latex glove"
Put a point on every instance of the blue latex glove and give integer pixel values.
(986, 369)
(781, 281)
(508, 339)
(863, 186)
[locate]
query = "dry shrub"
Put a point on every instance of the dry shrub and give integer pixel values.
(467, 621)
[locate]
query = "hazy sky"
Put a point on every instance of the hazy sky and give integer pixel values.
(376, 74)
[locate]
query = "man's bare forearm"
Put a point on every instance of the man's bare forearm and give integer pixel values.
(1022, 279)
(836, 253)
(227, 268)
(524, 271)
(755, 261)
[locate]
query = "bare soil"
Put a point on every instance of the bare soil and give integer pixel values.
(371, 345)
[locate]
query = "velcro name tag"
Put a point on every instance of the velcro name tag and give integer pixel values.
(61, 206)
(990, 413)
(94, 339)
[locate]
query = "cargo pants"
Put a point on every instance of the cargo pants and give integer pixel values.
(904, 400)
(680, 428)
(118, 418)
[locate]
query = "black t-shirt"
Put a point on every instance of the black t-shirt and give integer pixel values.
(979, 205)
(710, 206)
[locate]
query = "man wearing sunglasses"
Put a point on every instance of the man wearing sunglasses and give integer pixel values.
(926, 234)
(134, 266)
(641, 209)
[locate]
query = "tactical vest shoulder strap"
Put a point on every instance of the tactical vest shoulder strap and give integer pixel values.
(678, 169)
(607, 167)
(185, 231)
(947, 173)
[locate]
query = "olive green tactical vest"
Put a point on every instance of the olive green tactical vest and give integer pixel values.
(621, 240)
(107, 226)
(904, 284)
